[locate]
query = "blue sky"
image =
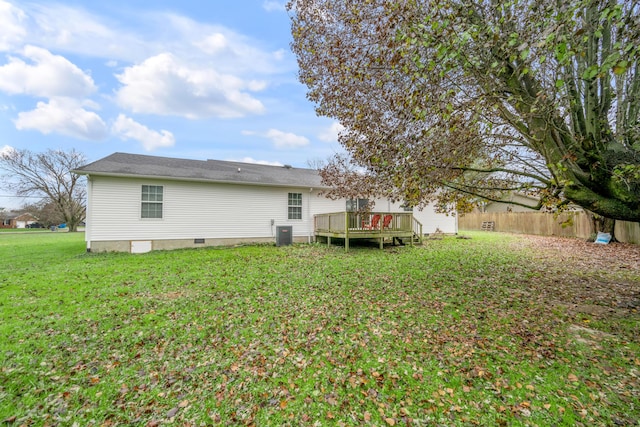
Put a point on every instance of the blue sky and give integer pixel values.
(190, 79)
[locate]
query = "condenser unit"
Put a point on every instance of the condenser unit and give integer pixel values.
(284, 235)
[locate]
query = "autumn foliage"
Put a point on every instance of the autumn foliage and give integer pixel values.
(455, 100)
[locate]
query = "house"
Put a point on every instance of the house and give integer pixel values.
(518, 202)
(11, 219)
(507, 204)
(137, 203)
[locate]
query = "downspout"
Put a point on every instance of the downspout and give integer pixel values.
(311, 222)
(88, 220)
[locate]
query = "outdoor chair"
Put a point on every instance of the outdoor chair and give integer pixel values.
(374, 223)
(386, 222)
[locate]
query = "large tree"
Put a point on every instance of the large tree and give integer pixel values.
(48, 175)
(450, 99)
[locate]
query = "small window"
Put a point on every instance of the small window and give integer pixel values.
(295, 206)
(151, 201)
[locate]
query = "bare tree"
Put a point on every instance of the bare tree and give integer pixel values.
(48, 175)
(455, 99)
(317, 163)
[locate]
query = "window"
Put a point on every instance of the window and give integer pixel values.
(357, 205)
(151, 201)
(295, 206)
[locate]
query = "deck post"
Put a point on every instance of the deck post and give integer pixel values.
(382, 243)
(346, 231)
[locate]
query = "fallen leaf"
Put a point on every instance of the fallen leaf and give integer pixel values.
(183, 404)
(367, 416)
(172, 412)
(390, 421)
(331, 400)
(572, 378)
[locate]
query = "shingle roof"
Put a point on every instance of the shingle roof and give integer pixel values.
(136, 165)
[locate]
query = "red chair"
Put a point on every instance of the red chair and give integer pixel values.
(386, 222)
(374, 223)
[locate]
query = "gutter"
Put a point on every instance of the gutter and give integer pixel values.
(186, 179)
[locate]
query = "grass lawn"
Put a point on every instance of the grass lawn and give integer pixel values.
(494, 330)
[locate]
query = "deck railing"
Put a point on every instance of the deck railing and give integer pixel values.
(331, 222)
(354, 222)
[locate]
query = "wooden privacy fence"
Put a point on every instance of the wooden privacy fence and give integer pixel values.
(545, 224)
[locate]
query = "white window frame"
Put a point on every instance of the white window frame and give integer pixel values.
(294, 206)
(148, 199)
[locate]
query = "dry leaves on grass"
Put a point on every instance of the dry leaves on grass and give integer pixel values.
(599, 280)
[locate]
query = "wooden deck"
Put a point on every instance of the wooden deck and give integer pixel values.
(352, 225)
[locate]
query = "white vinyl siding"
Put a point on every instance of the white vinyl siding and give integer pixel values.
(199, 210)
(428, 217)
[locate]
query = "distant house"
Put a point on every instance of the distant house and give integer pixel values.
(138, 203)
(507, 204)
(10, 219)
(519, 202)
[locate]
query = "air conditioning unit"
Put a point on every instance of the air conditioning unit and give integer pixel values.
(284, 235)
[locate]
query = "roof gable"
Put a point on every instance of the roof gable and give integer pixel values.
(18, 216)
(136, 165)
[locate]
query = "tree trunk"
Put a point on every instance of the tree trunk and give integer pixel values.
(602, 224)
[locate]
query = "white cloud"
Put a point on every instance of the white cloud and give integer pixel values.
(6, 150)
(60, 27)
(13, 31)
(163, 85)
(271, 5)
(218, 47)
(127, 128)
(279, 54)
(64, 116)
(46, 76)
(286, 139)
(257, 162)
(279, 138)
(331, 133)
(213, 43)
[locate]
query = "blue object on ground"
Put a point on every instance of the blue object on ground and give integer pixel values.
(603, 238)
